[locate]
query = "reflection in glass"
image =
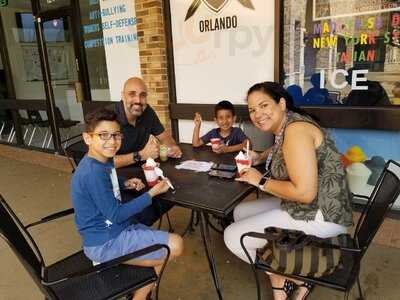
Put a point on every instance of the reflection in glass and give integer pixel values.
(94, 49)
(52, 4)
(341, 54)
(64, 75)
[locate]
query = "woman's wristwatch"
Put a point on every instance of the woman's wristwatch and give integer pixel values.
(263, 181)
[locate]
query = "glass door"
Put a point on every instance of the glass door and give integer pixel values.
(63, 76)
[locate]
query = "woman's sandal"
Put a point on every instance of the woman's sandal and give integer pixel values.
(288, 288)
(309, 287)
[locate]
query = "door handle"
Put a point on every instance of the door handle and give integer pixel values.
(79, 92)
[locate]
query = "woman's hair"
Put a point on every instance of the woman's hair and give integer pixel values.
(276, 92)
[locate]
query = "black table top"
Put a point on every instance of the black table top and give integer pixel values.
(198, 190)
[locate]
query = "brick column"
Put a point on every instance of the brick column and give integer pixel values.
(153, 56)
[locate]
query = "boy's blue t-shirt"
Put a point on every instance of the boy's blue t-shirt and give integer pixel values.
(236, 136)
(99, 214)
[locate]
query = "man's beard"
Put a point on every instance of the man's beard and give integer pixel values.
(137, 109)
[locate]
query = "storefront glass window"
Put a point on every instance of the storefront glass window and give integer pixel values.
(94, 49)
(51, 4)
(23, 59)
(6, 123)
(340, 52)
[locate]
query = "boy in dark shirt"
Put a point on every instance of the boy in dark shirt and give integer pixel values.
(232, 138)
(103, 221)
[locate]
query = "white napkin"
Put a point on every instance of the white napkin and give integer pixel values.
(195, 165)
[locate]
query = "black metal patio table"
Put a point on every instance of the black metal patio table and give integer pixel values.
(200, 192)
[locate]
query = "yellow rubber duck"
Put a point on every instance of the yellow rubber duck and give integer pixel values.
(355, 154)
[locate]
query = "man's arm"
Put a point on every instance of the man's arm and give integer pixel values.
(150, 150)
(123, 160)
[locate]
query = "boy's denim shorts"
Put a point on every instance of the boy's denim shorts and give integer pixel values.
(133, 238)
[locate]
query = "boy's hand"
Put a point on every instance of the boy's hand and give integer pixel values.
(221, 148)
(197, 119)
(152, 149)
(134, 184)
(160, 188)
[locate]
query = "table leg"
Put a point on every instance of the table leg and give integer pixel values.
(205, 234)
(190, 226)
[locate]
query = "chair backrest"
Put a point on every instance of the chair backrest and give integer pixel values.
(58, 115)
(20, 241)
(34, 116)
(386, 191)
(76, 151)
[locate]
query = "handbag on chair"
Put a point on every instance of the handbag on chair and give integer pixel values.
(294, 252)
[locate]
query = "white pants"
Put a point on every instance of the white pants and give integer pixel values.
(261, 213)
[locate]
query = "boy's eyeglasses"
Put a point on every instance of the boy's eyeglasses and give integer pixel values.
(106, 136)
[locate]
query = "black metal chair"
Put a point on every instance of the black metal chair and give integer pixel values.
(75, 277)
(379, 203)
(61, 124)
(74, 150)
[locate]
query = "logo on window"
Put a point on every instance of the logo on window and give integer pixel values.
(214, 5)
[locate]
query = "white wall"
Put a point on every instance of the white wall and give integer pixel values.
(122, 57)
(211, 66)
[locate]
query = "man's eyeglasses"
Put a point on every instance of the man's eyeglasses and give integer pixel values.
(106, 136)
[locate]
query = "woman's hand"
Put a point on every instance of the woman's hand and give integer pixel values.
(134, 184)
(255, 158)
(250, 175)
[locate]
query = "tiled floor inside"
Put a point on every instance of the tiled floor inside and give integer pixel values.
(34, 191)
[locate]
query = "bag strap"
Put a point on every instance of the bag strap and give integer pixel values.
(286, 239)
(343, 240)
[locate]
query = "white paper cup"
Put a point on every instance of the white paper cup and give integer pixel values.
(357, 177)
(215, 142)
(243, 164)
(150, 174)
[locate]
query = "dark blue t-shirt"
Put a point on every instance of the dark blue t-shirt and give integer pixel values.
(236, 136)
(136, 136)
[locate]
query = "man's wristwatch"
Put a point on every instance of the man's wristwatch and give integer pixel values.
(263, 181)
(136, 157)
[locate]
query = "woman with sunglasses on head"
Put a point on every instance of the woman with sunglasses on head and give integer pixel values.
(304, 177)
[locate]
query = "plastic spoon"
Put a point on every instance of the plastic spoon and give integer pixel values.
(160, 173)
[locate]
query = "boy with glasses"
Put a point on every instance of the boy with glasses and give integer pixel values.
(103, 221)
